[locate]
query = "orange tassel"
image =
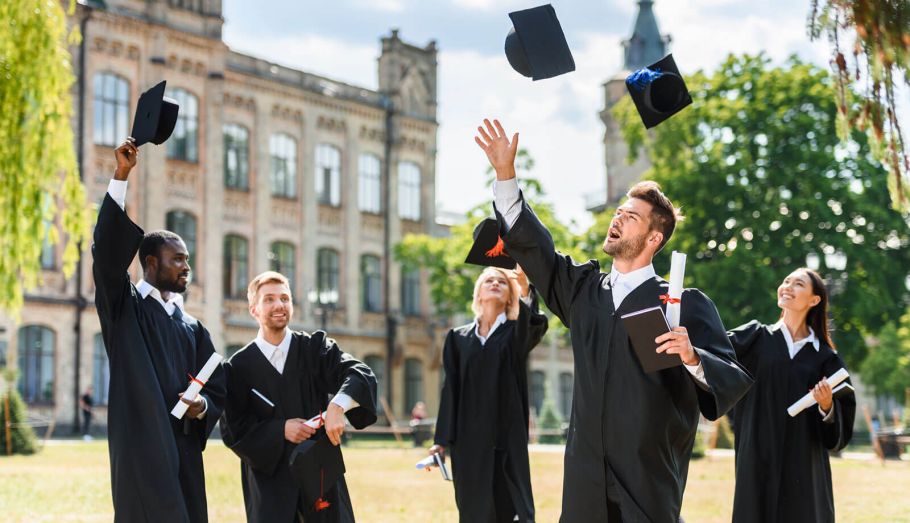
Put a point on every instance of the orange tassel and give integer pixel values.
(497, 250)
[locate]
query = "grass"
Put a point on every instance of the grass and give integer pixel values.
(70, 482)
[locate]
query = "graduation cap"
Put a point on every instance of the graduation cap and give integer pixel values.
(488, 249)
(155, 118)
(536, 46)
(316, 466)
(658, 91)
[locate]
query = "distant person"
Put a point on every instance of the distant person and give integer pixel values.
(418, 424)
(85, 405)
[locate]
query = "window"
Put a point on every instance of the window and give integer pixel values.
(101, 377)
(183, 224)
(183, 143)
(2, 354)
(281, 259)
(377, 365)
(283, 161)
(369, 191)
(48, 253)
(413, 383)
(371, 281)
(327, 270)
(36, 364)
(236, 266)
(111, 104)
(236, 157)
(566, 383)
(409, 191)
(410, 291)
(538, 383)
(328, 175)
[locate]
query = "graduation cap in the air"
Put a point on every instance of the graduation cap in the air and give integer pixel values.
(155, 117)
(658, 91)
(488, 249)
(536, 46)
(316, 466)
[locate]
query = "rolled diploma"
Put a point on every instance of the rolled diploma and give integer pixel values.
(193, 390)
(428, 461)
(316, 421)
(807, 401)
(677, 272)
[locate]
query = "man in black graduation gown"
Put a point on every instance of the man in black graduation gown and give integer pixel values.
(153, 345)
(275, 384)
(631, 433)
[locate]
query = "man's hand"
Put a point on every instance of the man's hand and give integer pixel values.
(498, 149)
(334, 423)
(438, 449)
(126, 156)
(677, 342)
(522, 279)
(195, 407)
(823, 395)
(296, 430)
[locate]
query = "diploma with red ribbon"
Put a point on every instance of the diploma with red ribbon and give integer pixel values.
(196, 384)
(674, 295)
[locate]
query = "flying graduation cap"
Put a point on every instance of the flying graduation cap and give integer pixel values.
(658, 91)
(316, 466)
(488, 248)
(536, 46)
(156, 116)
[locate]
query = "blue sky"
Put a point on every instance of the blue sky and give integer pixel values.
(557, 118)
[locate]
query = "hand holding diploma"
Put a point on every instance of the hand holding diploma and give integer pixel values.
(674, 295)
(196, 383)
(810, 398)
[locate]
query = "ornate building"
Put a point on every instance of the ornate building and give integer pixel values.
(268, 168)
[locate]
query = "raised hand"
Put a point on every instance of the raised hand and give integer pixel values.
(126, 156)
(499, 150)
(522, 279)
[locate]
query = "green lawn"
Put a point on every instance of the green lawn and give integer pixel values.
(70, 482)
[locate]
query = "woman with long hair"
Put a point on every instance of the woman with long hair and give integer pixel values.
(483, 412)
(782, 469)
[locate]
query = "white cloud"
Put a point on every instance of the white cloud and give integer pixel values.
(392, 6)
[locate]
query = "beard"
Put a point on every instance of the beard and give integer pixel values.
(174, 285)
(626, 248)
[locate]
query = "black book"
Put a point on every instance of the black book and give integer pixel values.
(842, 390)
(644, 327)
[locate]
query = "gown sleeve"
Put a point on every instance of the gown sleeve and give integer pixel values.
(214, 390)
(743, 337)
(341, 373)
(448, 401)
(531, 326)
(116, 240)
(837, 435)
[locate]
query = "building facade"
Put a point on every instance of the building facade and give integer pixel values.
(268, 168)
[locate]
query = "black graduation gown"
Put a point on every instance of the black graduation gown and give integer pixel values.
(314, 369)
(782, 469)
(156, 460)
(483, 415)
(633, 429)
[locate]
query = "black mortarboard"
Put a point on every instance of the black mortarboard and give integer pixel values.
(536, 46)
(488, 249)
(155, 118)
(658, 91)
(316, 466)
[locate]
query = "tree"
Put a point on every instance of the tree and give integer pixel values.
(17, 437)
(881, 57)
(40, 189)
(887, 367)
(764, 182)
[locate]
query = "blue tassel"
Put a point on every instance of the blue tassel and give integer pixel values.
(643, 78)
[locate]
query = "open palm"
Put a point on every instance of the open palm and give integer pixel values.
(498, 148)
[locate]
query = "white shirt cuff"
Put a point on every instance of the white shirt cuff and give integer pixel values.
(697, 372)
(205, 407)
(345, 402)
(526, 299)
(507, 196)
(829, 417)
(117, 190)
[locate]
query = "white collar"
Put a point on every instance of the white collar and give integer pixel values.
(145, 288)
(632, 278)
(496, 323)
(794, 346)
(268, 349)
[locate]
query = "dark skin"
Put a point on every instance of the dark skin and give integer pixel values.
(169, 271)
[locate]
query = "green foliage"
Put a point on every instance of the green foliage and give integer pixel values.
(40, 190)
(887, 367)
(22, 436)
(881, 58)
(763, 181)
(549, 418)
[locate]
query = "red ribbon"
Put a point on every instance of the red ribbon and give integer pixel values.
(667, 299)
(194, 380)
(321, 504)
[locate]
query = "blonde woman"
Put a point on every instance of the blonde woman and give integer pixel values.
(483, 413)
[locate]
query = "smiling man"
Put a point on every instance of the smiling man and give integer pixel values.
(153, 346)
(275, 384)
(631, 433)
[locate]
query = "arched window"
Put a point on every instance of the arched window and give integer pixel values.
(327, 270)
(410, 291)
(282, 259)
(377, 365)
(328, 175)
(369, 187)
(236, 157)
(183, 143)
(566, 384)
(36, 364)
(538, 384)
(371, 283)
(183, 224)
(413, 383)
(283, 165)
(111, 105)
(236, 266)
(409, 191)
(101, 372)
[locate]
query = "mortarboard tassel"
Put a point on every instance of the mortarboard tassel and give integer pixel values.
(643, 77)
(321, 504)
(497, 249)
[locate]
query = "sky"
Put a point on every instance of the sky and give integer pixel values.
(557, 118)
